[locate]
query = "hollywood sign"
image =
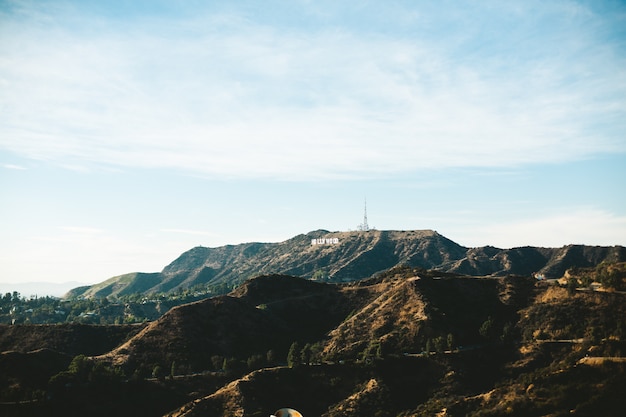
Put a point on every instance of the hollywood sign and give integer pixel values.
(325, 241)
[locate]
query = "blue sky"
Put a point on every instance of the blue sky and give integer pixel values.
(133, 131)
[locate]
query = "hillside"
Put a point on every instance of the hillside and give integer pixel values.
(266, 313)
(345, 257)
(529, 360)
(70, 339)
(407, 342)
(397, 313)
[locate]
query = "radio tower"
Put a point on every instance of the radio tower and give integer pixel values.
(363, 227)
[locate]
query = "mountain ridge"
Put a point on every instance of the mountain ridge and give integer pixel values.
(347, 256)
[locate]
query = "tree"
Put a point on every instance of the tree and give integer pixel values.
(305, 354)
(610, 279)
(173, 370)
(316, 352)
(593, 334)
(439, 346)
(255, 362)
(270, 356)
(586, 280)
(80, 367)
(451, 341)
(372, 351)
(293, 357)
(157, 372)
(572, 284)
(231, 365)
(218, 362)
(507, 332)
(487, 328)
(379, 351)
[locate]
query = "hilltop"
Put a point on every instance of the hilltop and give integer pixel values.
(346, 256)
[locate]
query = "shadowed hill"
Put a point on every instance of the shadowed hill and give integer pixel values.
(348, 256)
(71, 339)
(269, 312)
(497, 375)
(398, 311)
(407, 342)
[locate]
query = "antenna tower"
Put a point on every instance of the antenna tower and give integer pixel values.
(364, 227)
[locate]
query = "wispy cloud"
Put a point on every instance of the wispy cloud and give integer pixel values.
(224, 96)
(82, 230)
(14, 167)
(189, 232)
(574, 225)
(85, 254)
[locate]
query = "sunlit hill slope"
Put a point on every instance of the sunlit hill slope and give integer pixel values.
(348, 256)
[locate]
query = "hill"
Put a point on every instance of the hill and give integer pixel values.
(407, 342)
(266, 313)
(392, 313)
(516, 348)
(70, 339)
(344, 257)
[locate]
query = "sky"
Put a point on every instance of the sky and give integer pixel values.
(132, 131)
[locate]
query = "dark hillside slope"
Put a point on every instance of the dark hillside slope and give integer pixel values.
(70, 339)
(495, 346)
(266, 313)
(399, 312)
(545, 368)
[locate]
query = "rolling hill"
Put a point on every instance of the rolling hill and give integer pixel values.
(347, 256)
(406, 342)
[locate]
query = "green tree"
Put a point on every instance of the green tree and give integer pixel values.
(218, 362)
(610, 279)
(80, 367)
(173, 370)
(293, 356)
(487, 329)
(572, 284)
(255, 362)
(233, 365)
(439, 344)
(270, 356)
(507, 332)
(451, 341)
(379, 351)
(586, 280)
(305, 354)
(316, 352)
(158, 373)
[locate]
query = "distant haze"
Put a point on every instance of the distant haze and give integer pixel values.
(39, 289)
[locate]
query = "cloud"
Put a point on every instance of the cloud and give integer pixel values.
(14, 167)
(224, 96)
(85, 254)
(588, 226)
(189, 232)
(82, 230)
